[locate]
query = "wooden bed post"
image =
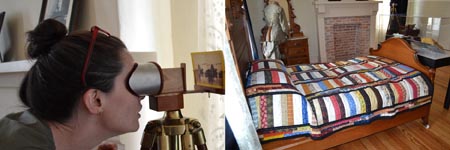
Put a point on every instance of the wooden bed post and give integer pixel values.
(425, 118)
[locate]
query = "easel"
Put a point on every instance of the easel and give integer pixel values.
(394, 25)
(173, 131)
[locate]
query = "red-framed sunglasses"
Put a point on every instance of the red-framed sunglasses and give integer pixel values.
(94, 31)
(144, 79)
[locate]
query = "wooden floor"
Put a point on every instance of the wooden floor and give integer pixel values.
(413, 135)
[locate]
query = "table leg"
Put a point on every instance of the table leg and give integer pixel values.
(447, 97)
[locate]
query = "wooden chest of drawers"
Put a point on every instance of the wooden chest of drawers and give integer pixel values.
(295, 51)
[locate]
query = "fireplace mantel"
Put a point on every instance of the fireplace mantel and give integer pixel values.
(344, 8)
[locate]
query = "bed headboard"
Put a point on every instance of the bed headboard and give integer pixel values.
(238, 29)
(399, 50)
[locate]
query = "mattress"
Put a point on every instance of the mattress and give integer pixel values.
(317, 100)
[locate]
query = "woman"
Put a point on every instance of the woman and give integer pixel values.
(77, 94)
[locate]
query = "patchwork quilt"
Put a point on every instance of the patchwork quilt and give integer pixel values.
(317, 100)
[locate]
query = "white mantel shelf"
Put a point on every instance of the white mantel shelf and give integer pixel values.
(16, 66)
(11, 75)
(346, 8)
(344, 2)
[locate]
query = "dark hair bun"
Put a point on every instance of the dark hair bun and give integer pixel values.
(44, 36)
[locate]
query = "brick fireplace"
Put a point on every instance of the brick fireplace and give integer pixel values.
(346, 37)
(346, 28)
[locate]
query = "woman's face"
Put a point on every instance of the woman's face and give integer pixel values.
(121, 111)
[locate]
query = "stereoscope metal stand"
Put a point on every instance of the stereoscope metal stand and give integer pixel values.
(173, 131)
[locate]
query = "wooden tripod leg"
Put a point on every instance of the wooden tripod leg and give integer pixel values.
(151, 131)
(202, 147)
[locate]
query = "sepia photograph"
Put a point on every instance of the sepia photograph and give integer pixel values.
(209, 70)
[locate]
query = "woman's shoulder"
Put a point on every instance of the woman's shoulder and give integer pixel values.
(23, 130)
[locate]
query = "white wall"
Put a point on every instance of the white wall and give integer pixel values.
(146, 26)
(255, 9)
(21, 16)
(103, 13)
(434, 8)
(429, 8)
(306, 18)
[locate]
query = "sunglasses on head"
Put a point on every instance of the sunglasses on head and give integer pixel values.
(144, 79)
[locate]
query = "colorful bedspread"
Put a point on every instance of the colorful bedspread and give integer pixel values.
(317, 100)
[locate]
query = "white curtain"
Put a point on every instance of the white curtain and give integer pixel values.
(211, 25)
(212, 36)
(382, 20)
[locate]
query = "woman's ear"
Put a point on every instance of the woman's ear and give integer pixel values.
(92, 100)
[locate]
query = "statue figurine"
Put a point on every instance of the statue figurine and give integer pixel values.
(277, 31)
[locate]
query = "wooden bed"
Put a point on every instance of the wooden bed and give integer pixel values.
(395, 49)
(403, 54)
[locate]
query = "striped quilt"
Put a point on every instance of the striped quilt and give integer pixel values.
(317, 100)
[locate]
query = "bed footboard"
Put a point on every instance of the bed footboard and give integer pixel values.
(352, 133)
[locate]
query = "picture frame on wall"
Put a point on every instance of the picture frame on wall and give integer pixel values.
(61, 10)
(209, 71)
(4, 40)
(2, 17)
